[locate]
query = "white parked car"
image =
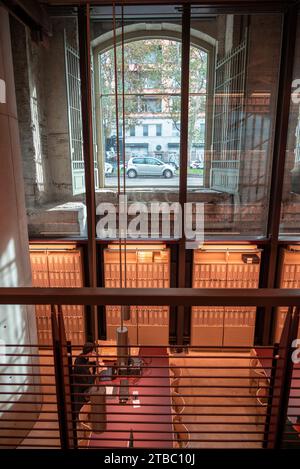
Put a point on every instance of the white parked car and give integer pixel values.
(108, 168)
(149, 166)
(196, 164)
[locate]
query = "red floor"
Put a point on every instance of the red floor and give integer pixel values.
(150, 428)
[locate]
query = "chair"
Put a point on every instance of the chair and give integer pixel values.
(256, 372)
(258, 378)
(176, 371)
(182, 435)
(261, 395)
(175, 385)
(178, 403)
(84, 426)
(262, 399)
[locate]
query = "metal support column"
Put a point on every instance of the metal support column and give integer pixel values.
(280, 141)
(184, 127)
(87, 133)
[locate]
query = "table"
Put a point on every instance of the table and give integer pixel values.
(152, 430)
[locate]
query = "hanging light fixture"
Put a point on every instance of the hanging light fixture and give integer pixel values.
(122, 331)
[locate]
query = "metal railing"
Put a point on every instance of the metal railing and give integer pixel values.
(151, 296)
(165, 397)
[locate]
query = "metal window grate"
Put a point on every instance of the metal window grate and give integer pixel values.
(229, 119)
(75, 120)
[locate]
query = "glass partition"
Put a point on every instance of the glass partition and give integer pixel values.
(232, 104)
(48, 91)
(149, 99)
(290, 208)
(235, 104)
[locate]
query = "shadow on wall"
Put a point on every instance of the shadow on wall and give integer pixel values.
(17, 331)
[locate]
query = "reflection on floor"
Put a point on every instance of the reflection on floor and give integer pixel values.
(45, 433)
(238, 420)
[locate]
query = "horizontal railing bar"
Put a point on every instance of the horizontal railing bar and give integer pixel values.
(27, 354)
(29, 384)
(143, 422)
(190, 431)
(28, 364)
(191, 405)
(184, 367)
(110, 357)
(12, 437)
(154, 367)
(196, 357)
(48, 429)
(143, 376)
(174, 413)
(173, 440)
(181, 386)
(294, 442)
(150, 414)
(28, 445)
(168, 395)
(153, 386)
(185, 377)
(25, 393)
(11, 411)
(144, 405)
(136, 430)
(228, 347)
(151, 296)
(43, 375)
(169, 444)
(31, 420)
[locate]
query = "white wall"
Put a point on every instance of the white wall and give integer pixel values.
(17, 323)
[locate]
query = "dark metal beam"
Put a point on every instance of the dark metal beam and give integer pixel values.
(229, 6)
(31, 14)
(280, 141)
(88, 153)
(184, 136)
(151, 296)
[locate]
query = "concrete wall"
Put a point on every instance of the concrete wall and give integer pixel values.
(17, 323)
(29, 77)
(57, 114)
(41, 93)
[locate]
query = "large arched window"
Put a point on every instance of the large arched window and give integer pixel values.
(152, 84)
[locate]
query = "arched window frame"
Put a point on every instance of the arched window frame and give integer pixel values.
(144, 31)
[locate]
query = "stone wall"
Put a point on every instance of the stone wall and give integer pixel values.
(29, 84)
(42, 103)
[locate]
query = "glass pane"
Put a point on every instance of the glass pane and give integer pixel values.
(290, 209)
(48, 92)
(148, 113)
(199, 59)
(152, 110)
(233, 90)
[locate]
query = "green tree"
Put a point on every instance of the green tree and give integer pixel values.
(152, 67)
